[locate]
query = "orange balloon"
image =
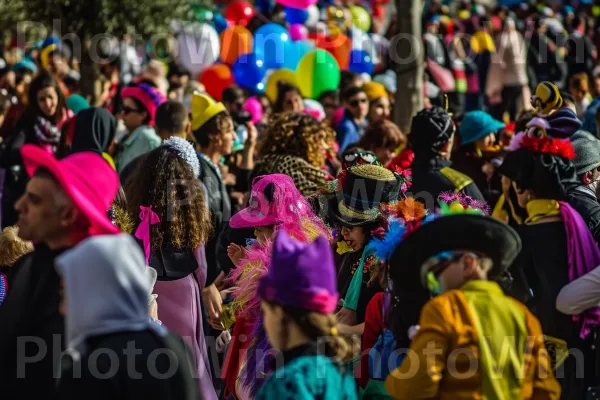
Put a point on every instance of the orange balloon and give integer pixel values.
(339, 46)
(235, 41)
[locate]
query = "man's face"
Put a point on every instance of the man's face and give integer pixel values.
(42, 209)
(358, 105)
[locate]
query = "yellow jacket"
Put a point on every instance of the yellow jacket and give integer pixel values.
(446, 359)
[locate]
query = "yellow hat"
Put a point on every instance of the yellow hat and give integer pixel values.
(203, 109)
(374, 90)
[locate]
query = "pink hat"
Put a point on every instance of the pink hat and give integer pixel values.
(149, 96)
(85, 177)
(274, 200)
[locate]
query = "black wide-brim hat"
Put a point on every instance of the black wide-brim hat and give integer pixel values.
(481, 234)
(364, 188)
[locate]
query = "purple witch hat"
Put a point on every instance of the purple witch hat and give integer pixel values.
(301, 275)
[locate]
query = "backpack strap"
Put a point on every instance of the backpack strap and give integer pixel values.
(458, 179)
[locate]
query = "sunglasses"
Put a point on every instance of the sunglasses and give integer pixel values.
(330, 105)
(435, 266)
(355, 103)
(127, 110)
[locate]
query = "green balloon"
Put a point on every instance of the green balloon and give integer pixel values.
(326, 73)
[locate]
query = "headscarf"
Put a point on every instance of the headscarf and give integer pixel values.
(94, 130)
(106, 294)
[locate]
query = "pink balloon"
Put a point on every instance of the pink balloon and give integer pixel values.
(253, 106)
(302, 4)
(298, 32)
(338, 116)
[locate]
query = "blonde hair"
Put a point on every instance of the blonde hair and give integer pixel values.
(12, 247)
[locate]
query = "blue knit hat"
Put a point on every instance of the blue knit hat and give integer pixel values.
(476, 125)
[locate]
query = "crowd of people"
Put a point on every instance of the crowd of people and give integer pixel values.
(164, 243)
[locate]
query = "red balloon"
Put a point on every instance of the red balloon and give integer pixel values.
(215, 79)
(239, 13)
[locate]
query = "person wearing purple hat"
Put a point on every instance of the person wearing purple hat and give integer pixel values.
(299, 295)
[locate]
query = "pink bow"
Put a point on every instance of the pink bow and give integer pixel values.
(148, 218)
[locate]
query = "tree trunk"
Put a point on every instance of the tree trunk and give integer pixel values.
(90, 74)
(406, 50)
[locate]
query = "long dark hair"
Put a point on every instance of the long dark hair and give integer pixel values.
(282, 89)
(41, 82)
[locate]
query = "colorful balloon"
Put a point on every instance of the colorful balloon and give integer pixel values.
(295, 15)
(320, 72)
(198, 48)
(254, 108)
(215, 79)
(303, 4)
(235, 41)
(239, 13)
(220, 23)
(361, 62)
(248, 70)
(360, 18)
(298, 32)
(271, 44)
(297, 51)
(313, 16)
(281, 75)
(338, 45)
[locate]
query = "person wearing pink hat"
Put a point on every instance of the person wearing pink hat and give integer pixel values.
(65, 202)
(275, 204)
(139, 109)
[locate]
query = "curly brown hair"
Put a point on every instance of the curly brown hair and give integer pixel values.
(297, 134)
(166, 182)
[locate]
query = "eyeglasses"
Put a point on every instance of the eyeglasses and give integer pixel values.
(355, 103)
(126, 110)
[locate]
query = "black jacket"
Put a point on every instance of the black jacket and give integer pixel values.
(430, 177)
(584, 201)
(31, 309)
(220, 210)
(130, 375)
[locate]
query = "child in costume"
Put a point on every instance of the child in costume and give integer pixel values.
(299, 297)
(471, 323)
(354, 210)
(384, 313)
(275, 203)
(557, 248)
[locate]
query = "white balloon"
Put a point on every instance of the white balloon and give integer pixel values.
(198, 47)
(313, 16)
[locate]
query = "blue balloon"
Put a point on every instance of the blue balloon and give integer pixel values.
(297, 51)
(220, 23)
(295, 15)
(271, 44)
(360, 62)
(248, 70)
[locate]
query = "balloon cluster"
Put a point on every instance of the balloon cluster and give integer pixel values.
(232, 47)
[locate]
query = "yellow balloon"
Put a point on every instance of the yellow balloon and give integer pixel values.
(285, 75)
(360, 18)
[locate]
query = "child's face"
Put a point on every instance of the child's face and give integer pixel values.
(263, 233)
(354, 237)
(272, 319)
